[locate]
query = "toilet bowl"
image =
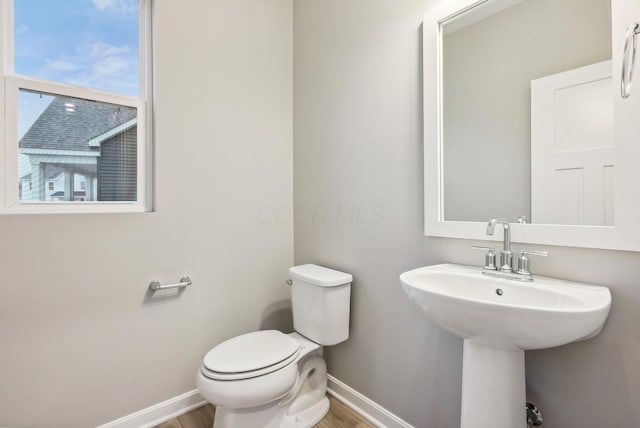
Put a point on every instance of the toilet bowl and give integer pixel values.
(268, 379)
(241, 397)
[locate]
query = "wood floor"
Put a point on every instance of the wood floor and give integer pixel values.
(339, 416)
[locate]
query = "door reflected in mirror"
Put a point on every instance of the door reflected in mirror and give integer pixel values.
(527, 112)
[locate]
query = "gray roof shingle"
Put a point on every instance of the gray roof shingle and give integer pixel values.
(59, 129)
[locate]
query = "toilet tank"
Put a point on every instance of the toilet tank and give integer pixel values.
(320, 299)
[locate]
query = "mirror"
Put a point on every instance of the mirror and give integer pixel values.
(524, 118)
(528, 112)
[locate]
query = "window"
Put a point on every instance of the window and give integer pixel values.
(74, 110)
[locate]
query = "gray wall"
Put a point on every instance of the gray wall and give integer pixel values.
(488, 68)
(358, 190)
(81, 343)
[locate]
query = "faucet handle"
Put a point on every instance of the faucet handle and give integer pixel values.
(523, 260)
(489, 258)
(534, 253)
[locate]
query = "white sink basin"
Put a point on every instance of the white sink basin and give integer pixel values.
(540, 314)
(499, 319)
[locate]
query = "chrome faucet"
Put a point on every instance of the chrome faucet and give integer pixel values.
(505, 269)
(506, 255)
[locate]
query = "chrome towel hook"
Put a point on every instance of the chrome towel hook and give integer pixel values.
(629, 58)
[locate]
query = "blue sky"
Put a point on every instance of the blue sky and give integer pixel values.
(91, 43)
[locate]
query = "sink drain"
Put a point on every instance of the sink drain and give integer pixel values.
(499, 291)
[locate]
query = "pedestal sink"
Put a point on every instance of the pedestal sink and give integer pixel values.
(499, 319)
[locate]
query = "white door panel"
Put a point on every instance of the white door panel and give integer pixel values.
(572, 151)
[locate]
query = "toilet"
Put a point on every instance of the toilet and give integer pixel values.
(268, 379)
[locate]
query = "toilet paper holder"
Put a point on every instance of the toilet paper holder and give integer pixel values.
(185, 281)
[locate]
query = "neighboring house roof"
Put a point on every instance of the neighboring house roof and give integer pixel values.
(59, 129)
(97, 141)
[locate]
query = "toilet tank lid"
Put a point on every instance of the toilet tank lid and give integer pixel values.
(318, 275)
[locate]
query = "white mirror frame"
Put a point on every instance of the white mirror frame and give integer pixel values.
(625, 234)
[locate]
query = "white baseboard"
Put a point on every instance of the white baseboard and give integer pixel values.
(373, 412)
(176, 406)
(159, 413)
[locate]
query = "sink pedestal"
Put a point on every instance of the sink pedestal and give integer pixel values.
(493, 387)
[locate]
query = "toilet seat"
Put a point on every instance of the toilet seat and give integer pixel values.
(250, 355)
(253, 388)
(249, 374)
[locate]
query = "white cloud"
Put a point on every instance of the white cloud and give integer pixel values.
(110, 66)
(121, 6)
(22, 29)
(61, 65)
(102, 4)
(98, 65)
(101, 50)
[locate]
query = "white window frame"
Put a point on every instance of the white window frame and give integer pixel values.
(11, 83)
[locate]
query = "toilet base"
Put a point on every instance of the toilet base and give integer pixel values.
(304, 406)
(308, 417)
(271, 417)
(264, 416)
